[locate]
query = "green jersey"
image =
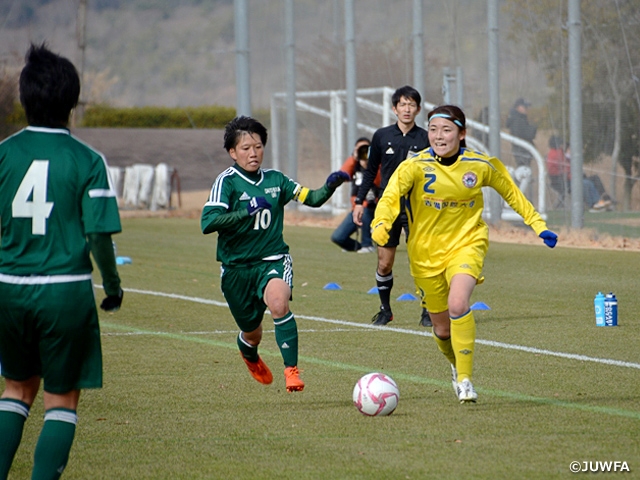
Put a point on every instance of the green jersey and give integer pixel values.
(54, 190)
(250, 239)
(245, 239)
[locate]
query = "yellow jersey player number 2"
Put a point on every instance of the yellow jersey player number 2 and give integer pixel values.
(442, 188)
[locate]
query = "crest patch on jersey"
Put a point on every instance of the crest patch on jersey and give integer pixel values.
(469, 179)
(273, 191)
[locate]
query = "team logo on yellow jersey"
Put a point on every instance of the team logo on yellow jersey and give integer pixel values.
(469, 179)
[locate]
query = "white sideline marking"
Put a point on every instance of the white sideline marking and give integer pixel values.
(224, 332)
(491, 343)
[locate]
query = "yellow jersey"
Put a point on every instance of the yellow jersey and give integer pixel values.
(444, 206)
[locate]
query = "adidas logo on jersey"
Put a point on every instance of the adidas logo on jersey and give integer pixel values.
(389, 151)
(244, 196)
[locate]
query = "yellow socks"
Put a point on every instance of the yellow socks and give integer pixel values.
(463, 339)
(445, 347)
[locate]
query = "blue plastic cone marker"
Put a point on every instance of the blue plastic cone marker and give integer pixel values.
(123, 260)
(480, 306)
(332, 286)
(373, 290)
(407, 297)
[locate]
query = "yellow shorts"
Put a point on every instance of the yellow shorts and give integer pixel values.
(434, 291)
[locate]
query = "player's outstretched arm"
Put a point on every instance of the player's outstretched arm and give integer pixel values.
(101, 247)
(317, 198)
(215, 219)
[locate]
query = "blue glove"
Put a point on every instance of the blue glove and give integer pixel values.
(336, 179)
(256, 204)
(550, 238)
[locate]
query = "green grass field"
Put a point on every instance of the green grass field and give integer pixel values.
(178, 402)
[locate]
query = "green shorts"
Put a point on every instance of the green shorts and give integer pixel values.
(243, 289)
(51, 330)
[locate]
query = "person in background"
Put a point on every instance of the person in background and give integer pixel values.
(57, 205)
(246, 209)
(596, 198)
(449, 239)
(390, 146)
(519, 126)
(558, 169)
(354, 166)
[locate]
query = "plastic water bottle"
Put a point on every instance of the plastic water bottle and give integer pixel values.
(610, 310)
(598, 303)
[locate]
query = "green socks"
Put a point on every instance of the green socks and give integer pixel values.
(54, 443)
(287, 339)
(13, 414)
(247, 350)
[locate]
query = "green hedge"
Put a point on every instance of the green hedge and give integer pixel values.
(103, 116)
(157, 117)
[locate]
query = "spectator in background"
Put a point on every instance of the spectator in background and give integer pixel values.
(558, 169)
(354, 166)
(519, 126)
(596, 197)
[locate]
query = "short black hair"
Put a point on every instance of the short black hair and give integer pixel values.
(234, 130)
(49, 87)
(407, 92)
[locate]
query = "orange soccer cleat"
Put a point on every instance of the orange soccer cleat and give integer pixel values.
(293, 381)
(259, 370)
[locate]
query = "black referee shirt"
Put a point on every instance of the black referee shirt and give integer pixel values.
(389, 147)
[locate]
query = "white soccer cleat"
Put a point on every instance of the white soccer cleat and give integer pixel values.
(466, 392)
(454, 378)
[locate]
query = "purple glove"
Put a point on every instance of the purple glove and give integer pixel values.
(256, 204)
(335, 179)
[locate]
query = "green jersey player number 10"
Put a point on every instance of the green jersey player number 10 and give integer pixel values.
(263, 220)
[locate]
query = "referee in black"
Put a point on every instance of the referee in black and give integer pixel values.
(390, 146)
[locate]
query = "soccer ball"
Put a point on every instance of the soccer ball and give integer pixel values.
(375, 395)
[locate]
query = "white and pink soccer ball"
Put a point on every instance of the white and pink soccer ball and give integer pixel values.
(376, 395)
